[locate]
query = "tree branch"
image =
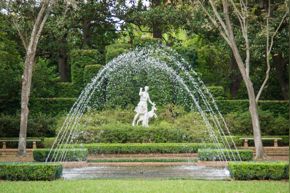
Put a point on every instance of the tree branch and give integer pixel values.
(269, 46)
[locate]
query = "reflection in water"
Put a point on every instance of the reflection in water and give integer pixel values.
(164, 172)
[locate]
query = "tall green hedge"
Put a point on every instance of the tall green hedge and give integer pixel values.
(217, 92)
(275, 106)
(52, 106)
(30, 171)
(115, 50)
(79, 59)
(39, 125)
(90, 71)
(66, 90)
(259, 170)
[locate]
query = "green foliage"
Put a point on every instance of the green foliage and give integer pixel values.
(222, 154)
(112, 126)
(275, 106)
(30, 171)
(51, 106)
(71, 154)
(123, 85)
(48, 142)
(128, 134)
(79, 59)
(115, 50)
(90, 71)
(44, 79)
(217, 92)
(66, 89)
(146, 41)
(39, 125)
(108, 148)
(259, 170)
(10, 68)
(240, 123)
(208, 59)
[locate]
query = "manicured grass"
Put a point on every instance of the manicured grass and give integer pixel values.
(145, 186)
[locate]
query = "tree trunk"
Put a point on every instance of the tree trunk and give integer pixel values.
(253, 108)
(156, 27)
(235, 77)
(244, 68)
(282, 72)
(27, 74)
(63, 67)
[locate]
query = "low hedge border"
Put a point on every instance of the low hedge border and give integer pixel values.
(30, 171)
(75, 154)
(220, 154)
(259, 170)
(104, 148)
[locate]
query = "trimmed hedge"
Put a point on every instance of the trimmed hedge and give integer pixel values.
(104, 148)
(240, 123)
(38, 125)
(76, 154)
(259, 170)
(58, 105)
(66, 89)
(219, 154)
(217, 92)
(90, 71)
(79, 59)
(52, 106)
(275, 106)
(115, 50)
(30, 171)
(127, 134)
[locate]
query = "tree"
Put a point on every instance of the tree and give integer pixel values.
(224, 23)
(43, 8)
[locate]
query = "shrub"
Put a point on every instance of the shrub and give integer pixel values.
(79, 59)
(44, 79)
(66, 89)
(48, 142)
(222, 154)
(11, 68)
(128, 134)
(90, 71)
(146, 41)
(52, 106)
(71, 154)
(259, 170)
(115, 50)
(146, 147)
(240, 123)
(39, 125)
(217, 92)
(111, 126)
(275, 106)
(30, 171)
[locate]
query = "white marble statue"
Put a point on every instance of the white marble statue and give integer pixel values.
(142, 109)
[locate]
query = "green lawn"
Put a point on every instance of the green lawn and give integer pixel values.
(145, 186)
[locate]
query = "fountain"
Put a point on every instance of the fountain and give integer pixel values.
(149, 59)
